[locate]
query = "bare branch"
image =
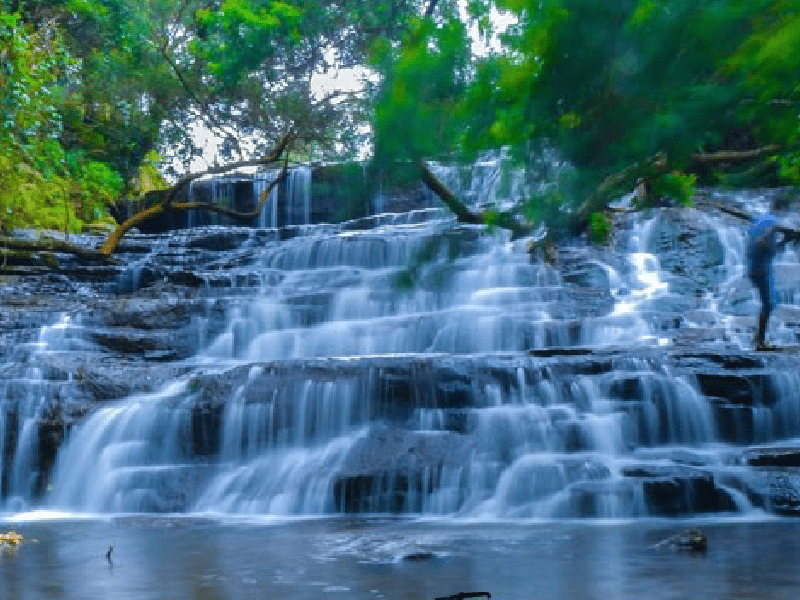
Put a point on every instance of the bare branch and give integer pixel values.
(725, 156)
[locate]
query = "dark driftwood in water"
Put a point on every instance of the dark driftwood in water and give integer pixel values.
(693, 540)
(168, 204)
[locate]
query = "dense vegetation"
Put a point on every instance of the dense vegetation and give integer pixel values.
(95, 94)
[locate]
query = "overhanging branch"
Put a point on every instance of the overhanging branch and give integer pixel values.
(168, 203)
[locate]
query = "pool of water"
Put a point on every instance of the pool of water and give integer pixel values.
(206, 558)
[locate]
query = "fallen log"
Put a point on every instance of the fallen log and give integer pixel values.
(53, 245)
(463, 214)
(635, 175)
(457, 207)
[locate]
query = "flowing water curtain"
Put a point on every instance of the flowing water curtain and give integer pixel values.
(29, 404)
(298, 196)
(268, 216)
(422, 400)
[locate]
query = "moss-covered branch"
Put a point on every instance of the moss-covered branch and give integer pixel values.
(734, 156)
(617, 184)
(168, 203)
(52, 245)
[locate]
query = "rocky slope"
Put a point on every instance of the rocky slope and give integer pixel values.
(700, 422)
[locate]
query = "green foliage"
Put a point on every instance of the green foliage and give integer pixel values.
(555, 203)
(41, 184)
(419, 110)
(676, 185)
(149, 178)
(609, 83)
(789, 167)
(110, 81)
(31, 63)
(599, 228)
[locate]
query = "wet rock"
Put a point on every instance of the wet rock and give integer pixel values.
(752, 389)
(388, 470)
(692, 540)
(223, 239)
(550, 352)
(418, 556)
(688, 249)
(672, 491)
(586, 275)
(772, 457)
(627, 388)
(52, 430)
(776, 490)
(735, 422)
(726, 360)
(206, 428)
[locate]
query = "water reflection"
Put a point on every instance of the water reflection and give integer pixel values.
(201, 559)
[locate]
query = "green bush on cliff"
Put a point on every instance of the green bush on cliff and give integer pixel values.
(41, 184)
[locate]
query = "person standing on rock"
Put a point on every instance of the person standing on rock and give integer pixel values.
(763, 244)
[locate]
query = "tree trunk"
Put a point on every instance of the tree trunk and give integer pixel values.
(636, 174)
(110, 245)
(53, 245)
(458, 208)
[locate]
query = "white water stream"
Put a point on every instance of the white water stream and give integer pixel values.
(548, 448)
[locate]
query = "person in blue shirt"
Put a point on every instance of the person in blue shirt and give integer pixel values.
(763, 244)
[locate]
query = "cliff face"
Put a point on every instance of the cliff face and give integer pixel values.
(616, 382)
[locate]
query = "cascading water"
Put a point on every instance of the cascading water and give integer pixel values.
(334, 388)
(28, 405)
(298, 196)
(268, 216)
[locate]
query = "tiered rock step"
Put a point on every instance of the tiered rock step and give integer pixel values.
(412, 432)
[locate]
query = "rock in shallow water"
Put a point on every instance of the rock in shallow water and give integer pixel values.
(693, 540)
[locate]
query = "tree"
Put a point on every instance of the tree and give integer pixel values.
(146, 71)
(665, 93)
(614, 83)
(42, 184)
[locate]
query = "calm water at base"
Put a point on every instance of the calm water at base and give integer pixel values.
(187, 558)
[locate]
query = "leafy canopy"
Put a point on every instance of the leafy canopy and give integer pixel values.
(612, 84)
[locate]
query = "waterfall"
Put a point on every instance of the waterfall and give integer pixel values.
(28, 407)
(298, 196)
(329, 385)
(268, 216)
(192, 216)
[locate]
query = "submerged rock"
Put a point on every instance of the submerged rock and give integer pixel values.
(10, 539)
(692, 540)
